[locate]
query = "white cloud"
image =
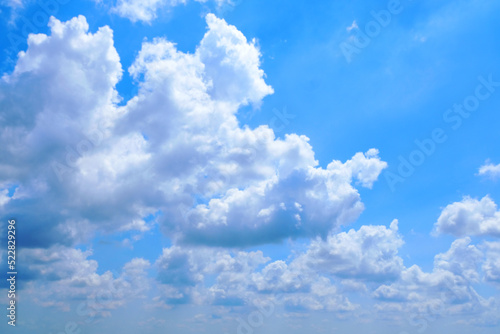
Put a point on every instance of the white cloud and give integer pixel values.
(371, 253)
(490, 170)
(146, 10)
(301, 202)
(140, 10)
(182, 273)
(296, 286)
(220, 277)
(323, 295)
(180, 267)
(470, 217)
(69, 78)
(4, 197)
(461, 259)
(59, 275)
(319, 278)
(83, 163)
(177, 150)
(491, 266)
(13, 3)
(365, 167)
(354, 25)
(227, 55)
(178, 144)
(444, 292)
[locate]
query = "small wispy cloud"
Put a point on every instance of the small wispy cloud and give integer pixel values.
(490, 170)
(354, 25)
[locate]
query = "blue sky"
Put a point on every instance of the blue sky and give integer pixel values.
(251, 167)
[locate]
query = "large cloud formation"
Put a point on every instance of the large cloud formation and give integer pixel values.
(76, 163)
(308, 281)
(323, 277)
(447, 291)
(81, 163)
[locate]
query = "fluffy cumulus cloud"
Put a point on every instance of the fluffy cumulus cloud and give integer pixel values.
(371, 253)
(253, 187)
(81, 163)
(297, 287)
(323, 277)
(470, 217)
(182, 275)
(208, 276)
(447, 291)
(490, 170)
(61, 89)
(297, 202)
(75, 163)
(59, 275)
(312, 280)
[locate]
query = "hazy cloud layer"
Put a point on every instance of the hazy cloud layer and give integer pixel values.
(146, 11)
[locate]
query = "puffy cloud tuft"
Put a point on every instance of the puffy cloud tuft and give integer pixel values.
(470, 217)
(370, 253)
